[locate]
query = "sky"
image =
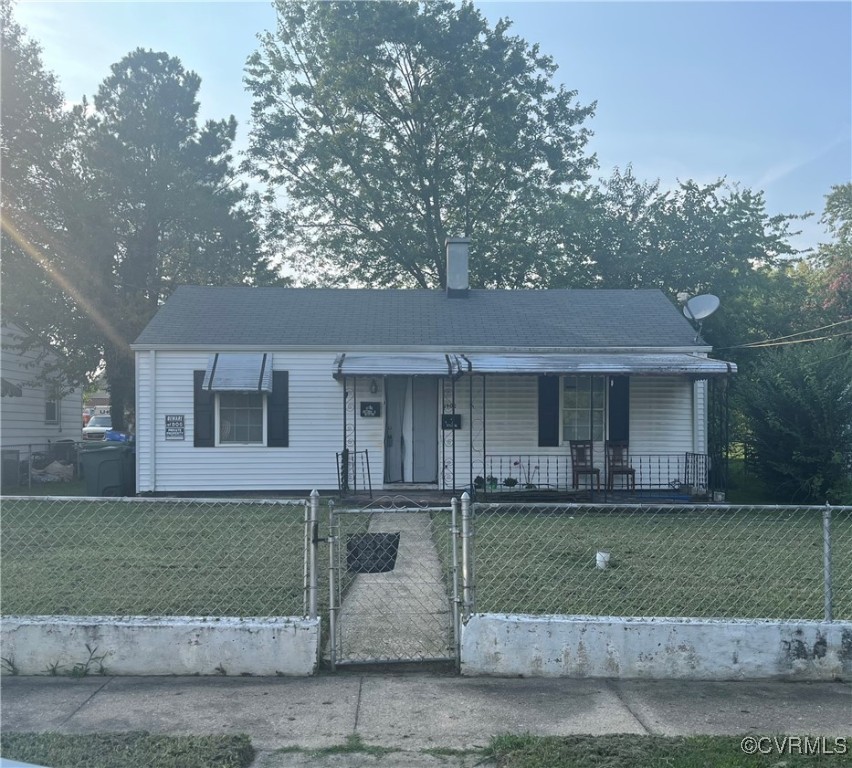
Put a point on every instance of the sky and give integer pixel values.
(759, 93)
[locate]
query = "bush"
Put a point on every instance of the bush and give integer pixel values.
(798, 402)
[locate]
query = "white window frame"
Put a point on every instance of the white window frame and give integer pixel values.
(51, 395)
(604, 410)
(232, 444)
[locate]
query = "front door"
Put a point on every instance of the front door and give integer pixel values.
(411, 429)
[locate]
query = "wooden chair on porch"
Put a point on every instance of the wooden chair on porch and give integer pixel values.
(582, 463)
(618, 463)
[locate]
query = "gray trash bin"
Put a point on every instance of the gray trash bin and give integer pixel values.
(109, 470)
(10, 471)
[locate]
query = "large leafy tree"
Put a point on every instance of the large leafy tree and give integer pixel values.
(35, 152)
(834, 258)
(695, 238)
(386, 127)
(798, 401)
(158, 203)
(145, 198)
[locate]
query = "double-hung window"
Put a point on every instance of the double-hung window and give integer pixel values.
(51, 404)
(583, 407)
(241, 418)
(238, 400)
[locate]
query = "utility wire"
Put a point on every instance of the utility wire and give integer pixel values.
(781, 339)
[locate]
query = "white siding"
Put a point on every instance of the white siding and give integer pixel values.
(22, 419)
(315, 431)
(661, 422)
(660, 415)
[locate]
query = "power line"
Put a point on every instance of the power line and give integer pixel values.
(780, 340)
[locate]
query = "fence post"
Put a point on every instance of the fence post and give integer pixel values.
(454, 538)
(468, 586)
(332, 586)
(826, 560)
(313, 574)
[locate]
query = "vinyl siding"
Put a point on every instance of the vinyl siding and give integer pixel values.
(661, 421)
(315, 431)
(22, 420)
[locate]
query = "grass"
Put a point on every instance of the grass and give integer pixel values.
(700, 563)
(184, 558)
(650, 752)
(137, 558)
(71, 488)
(128, 750)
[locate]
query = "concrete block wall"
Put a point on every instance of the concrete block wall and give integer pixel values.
(660, 648)
(173, 645)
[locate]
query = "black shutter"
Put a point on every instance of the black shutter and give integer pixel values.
(619, 409)
(277, 411)
(548, 411)
(205, 418)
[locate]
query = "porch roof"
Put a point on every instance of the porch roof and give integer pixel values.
(636, 364)
(453, 364)
(435, 364)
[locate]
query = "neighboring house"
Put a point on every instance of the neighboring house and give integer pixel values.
(33, 411)
(246, 389)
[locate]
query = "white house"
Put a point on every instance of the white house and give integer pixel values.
(247, 389)
(34, 412)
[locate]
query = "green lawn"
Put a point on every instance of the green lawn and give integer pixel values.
(655, 751)
(137, 558)
(128, 750)
(701, 563)
(223, 559)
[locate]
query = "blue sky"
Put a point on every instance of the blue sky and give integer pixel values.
(760, 93)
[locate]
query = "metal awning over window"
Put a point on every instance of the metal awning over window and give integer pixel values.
(10, 389)
(238, 372)
(427, 364)
(635, 364)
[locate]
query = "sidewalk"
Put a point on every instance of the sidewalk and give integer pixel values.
(415, 711)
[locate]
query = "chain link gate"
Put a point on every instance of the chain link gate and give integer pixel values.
(393, 584)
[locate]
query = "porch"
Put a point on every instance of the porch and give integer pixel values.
(675, 475)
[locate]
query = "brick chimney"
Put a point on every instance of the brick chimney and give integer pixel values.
(458, 249)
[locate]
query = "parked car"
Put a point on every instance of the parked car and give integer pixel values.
(97, 427)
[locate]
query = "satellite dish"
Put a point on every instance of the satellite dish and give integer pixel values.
(699, 307)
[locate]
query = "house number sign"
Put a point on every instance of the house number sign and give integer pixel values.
(371, 410)
(175, 428)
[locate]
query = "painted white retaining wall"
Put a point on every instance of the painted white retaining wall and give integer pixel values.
(172, 645)
(660, 648)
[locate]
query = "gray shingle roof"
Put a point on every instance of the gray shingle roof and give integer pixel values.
(346, 318)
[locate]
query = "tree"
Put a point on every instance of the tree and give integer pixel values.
(711, 238)
(835, 258)
(148, 199)
(387, 127)
(35, 151)
(799, 405)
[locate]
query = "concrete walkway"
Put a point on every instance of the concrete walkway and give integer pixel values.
(403, 614)
(415, 712)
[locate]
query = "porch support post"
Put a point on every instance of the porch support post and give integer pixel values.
(455, 468)
(470, 434)
(484, 462)
(442, 436)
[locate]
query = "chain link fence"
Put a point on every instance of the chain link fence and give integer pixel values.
(154, 557)
(692, 561)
